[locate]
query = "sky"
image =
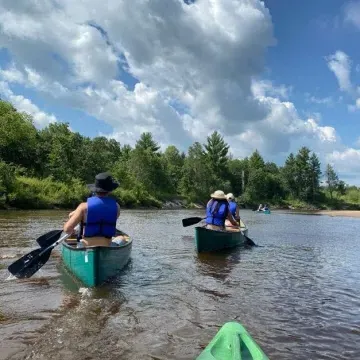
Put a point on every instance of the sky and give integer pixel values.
(271, 75)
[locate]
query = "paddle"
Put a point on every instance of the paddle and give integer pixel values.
(191, 221)
(248, 240)
(49, 238)
(30, 263)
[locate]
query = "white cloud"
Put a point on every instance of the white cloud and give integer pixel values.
(346, 161)
(283, 130)
(340, 64)
(352, 13)
(263, 88)
(202, 55)
(328, 101)
(41, 119)
(356, 106)
(195, 66)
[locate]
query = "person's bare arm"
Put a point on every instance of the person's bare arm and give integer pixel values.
(237, 214)
(231, 219)
(118, 210)
(76, 217)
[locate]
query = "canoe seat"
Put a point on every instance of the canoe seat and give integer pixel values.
(119, 240)
(232, 229)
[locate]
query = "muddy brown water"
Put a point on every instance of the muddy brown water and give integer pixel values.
(298, 295)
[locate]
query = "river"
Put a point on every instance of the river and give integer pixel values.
(298, 295)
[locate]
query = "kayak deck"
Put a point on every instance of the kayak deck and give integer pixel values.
(93, 265)
(232, 342)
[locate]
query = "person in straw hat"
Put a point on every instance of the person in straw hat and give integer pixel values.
(217, 211)
(233, 207)
(97, 216)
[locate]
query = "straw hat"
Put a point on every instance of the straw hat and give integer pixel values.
(219, 195)
(230, 196)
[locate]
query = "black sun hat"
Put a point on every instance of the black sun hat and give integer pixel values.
(103, 183)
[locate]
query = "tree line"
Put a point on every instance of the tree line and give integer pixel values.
(50, 167)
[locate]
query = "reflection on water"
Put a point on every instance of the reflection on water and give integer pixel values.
(219, 264)
(298, 295)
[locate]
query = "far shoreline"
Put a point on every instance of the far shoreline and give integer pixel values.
(344, 213)
(332, 213)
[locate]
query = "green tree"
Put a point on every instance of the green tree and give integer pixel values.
(238, 167)
(18, 137)
(196, 181)
(216, 151)
(331, 179)
(174, 163)
(148, 169)
(256, 161)
(146, 142)
(290, 176)
(303, 169)
(341, 188)
(7, 180)
(315, 173)
(63, 150)
(97, 155)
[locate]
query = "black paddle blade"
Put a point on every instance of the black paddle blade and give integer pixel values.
(49, 238)
(191, 221)
(30, 263)
(249, 241)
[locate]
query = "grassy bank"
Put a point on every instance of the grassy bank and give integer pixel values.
(34, 193)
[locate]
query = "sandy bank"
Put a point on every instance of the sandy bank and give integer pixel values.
(348, 213)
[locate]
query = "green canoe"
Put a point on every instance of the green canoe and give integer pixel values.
(95, 264)
(232, 342)
(213, 240)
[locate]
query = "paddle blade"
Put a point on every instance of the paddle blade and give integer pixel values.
(49, 238)
(191, 221)
(249, 241)
(30, 263)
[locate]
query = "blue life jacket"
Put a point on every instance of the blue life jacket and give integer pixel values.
(101, 217)
(216, 212)
(233, 206)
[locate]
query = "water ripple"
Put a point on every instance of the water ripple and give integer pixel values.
(298, 296)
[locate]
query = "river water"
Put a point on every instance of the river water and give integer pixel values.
(298, 295)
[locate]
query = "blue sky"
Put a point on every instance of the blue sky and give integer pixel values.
(298, 59)
(272, 78)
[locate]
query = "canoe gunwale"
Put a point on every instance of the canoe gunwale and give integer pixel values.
(223, 231)
(72, 248)
(118, 233)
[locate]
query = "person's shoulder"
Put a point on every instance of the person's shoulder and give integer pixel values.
(83, 206)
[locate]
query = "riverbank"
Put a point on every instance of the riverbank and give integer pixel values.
(346, 213)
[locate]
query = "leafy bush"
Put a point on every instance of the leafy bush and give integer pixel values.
(33, 193)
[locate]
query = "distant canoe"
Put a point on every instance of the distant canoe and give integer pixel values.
(264, 211)
(95, 264)
(213, 240)
(232, 342)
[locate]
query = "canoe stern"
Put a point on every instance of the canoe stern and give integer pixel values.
(94, 265)
(212, 240)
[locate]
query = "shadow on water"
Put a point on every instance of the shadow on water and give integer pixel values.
(218, 264)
